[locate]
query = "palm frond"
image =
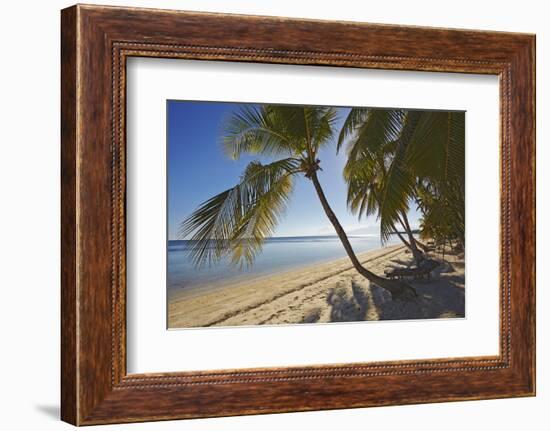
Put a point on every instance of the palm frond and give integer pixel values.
(436, 147)
(236, 222)
(322, 121)
(363, 180)
(380, 128)
(399, 182)
(256, 130)
(356, 117)
(272, 130)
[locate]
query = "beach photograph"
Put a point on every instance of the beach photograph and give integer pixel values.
(299, 214)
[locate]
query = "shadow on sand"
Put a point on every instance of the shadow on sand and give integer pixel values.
(440, 297)
(347, 305)
(356, 300)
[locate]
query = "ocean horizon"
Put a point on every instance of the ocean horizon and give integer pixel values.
(279, 254)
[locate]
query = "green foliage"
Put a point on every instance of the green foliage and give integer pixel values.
(273, 130)
(398, 157)
(236, 221)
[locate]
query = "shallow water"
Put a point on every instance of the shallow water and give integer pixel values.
(279, 254)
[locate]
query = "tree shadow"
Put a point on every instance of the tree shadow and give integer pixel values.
(455, 280)
(442, 296)
(347, 305)
(312, 316)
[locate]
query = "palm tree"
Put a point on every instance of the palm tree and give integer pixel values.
(236, 222)
(398, 157)
(372, 137)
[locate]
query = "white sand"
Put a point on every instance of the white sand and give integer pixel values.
(331, 292)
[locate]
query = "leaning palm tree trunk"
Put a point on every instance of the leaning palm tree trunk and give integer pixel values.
(417, 254)
(398, 289)
(403, 240)
(423, 246)
(418, 243)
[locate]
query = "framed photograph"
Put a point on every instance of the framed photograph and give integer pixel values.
(231, 236)
(266, 215)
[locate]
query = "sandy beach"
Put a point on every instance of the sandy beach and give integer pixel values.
(329, 292)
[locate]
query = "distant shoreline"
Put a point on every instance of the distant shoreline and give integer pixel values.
(332, 236)
(328, 292)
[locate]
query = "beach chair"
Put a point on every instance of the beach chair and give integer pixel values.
(423, 270)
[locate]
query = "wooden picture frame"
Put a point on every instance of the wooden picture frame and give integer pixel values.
(96, 41)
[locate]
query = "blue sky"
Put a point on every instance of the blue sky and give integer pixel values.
(198, 169)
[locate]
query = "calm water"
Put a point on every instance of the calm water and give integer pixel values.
(278, 255)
